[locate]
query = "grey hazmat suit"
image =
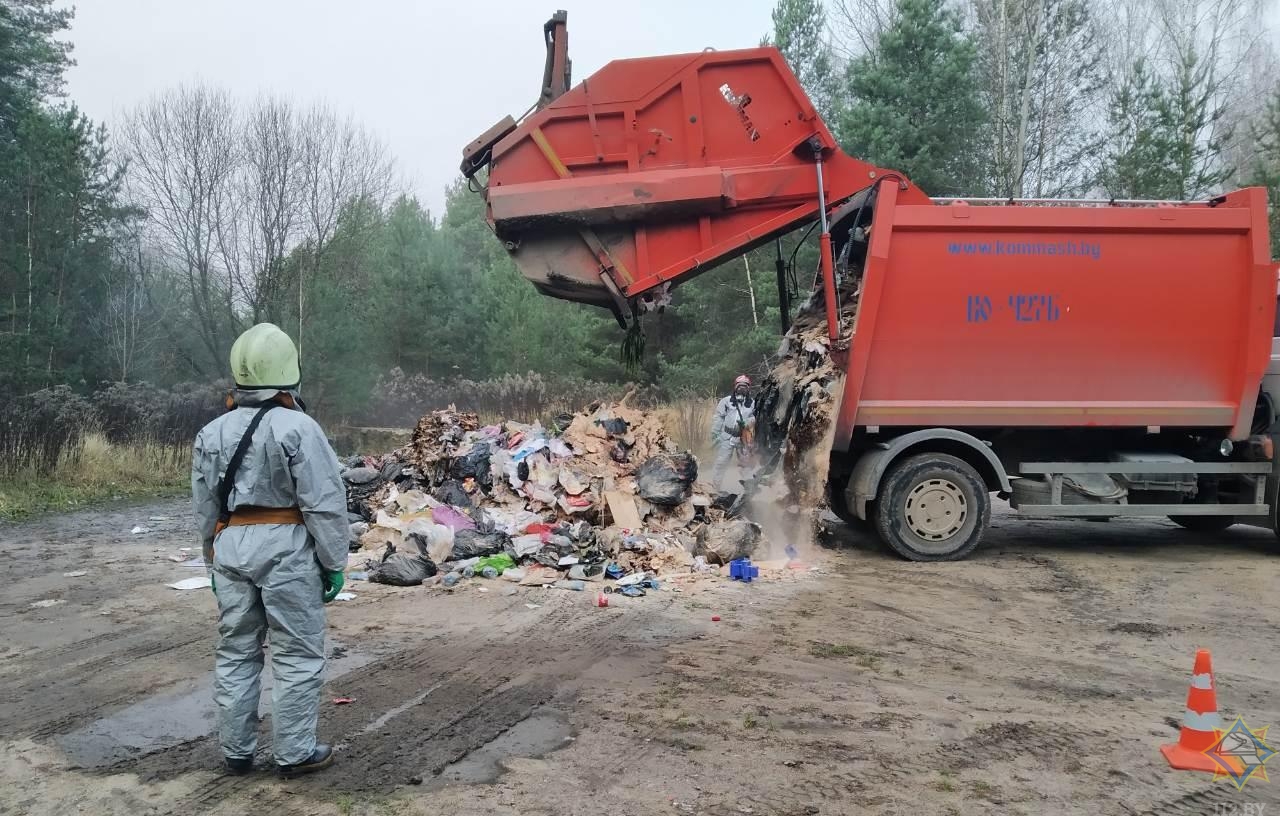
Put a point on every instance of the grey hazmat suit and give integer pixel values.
(732, 414)
(268, 576)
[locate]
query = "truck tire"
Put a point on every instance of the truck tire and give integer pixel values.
(932, 507)
(1204, 524)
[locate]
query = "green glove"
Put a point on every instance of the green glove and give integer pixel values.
(333, 581)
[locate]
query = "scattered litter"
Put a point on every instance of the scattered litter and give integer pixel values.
(358, 576)
(193, 562)
(158, 518)
(46, 603)
(76, 574)
(202, 582)
(139, 530)
(345, 596)
(343, 700)
(715, 618)
(599, 496)
(532, 606)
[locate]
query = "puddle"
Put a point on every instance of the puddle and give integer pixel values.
(167, 720)
(542, 732)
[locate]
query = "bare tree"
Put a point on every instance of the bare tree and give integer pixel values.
(1205, 48)
(857, 25)
(270, 197)
(340, 162)
(123, 323)
(230, 194)
(183, 152)
(1041, 65)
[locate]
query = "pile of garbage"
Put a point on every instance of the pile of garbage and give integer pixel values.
(799, 400)
(601, 494)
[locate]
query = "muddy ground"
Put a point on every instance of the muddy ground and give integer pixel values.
(1040, 676)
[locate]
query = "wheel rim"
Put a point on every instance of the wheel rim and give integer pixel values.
(936, 510)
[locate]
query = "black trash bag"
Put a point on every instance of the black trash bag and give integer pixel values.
(548, 556)
(561, 544)
(475, 464)
(484, 523)
(451, 493)
(561, 422)
(360, 475)
(667, 478)
(474, 544)
(401, 569)
(391, 470)
(615, 426)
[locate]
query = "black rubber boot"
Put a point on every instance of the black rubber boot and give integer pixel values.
(321, 758)
(239, 766)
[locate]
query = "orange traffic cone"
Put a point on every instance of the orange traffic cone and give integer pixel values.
(1198, 723)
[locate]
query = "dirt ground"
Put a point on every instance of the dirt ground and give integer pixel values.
(1040, 676)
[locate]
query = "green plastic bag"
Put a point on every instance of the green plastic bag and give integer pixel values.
(499, 562)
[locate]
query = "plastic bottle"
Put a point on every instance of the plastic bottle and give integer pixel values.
(451, 580)
(576, 586)
(469, 571)
(488, 572)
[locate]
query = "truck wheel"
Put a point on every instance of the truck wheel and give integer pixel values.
(1204, 524)
(932, 507)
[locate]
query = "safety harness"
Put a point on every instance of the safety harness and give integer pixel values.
(249, 514)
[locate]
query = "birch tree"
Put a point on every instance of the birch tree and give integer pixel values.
(1040, 66)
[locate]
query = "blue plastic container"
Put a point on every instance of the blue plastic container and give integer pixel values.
(743, 570)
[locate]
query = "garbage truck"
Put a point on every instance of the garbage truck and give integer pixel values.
(1078, 358)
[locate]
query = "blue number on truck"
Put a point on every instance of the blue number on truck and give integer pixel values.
(1022, 308)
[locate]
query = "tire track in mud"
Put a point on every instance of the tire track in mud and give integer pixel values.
(60, 695)
(422, 709)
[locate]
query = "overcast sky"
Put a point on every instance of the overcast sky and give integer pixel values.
(426, 75)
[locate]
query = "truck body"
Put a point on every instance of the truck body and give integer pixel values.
(1028, 347)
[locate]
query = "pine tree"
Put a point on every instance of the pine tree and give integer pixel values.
(1138, 164)
(1166, 142)
(1266, 169)
(913, 104)
(800, 33)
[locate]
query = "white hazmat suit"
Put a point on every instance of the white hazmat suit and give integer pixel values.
(733, 414)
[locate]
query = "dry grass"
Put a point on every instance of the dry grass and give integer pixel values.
(688, 423)
(96, 471)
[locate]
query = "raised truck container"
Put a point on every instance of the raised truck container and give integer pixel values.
(1058, 341)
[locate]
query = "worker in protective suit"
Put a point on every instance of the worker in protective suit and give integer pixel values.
(732, 427)
(272, 514)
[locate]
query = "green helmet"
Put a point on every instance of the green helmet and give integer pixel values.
(265, 357)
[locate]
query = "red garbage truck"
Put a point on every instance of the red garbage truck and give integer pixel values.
(1080, 358)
